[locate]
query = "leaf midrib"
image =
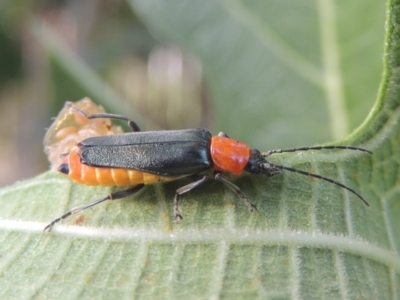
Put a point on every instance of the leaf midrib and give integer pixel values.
(314, 239)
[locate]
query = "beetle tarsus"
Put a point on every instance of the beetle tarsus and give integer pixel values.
(250, 205)
(177, 216)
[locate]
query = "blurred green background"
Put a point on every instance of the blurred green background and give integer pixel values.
(259, 70)
(57, 51)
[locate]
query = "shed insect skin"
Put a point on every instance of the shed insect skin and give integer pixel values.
(141, 158)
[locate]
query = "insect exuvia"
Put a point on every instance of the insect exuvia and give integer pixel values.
(140, 158)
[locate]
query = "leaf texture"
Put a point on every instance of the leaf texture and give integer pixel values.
(309, 239)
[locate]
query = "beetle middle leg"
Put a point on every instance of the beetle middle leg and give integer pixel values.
(183, 190)
(132, 124)
(250, 205)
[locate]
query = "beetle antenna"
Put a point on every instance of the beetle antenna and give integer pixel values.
(268, 153)
(269, 165)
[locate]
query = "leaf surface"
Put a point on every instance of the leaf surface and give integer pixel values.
(309, 239)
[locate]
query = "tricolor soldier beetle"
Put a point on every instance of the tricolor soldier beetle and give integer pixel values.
(141, 158)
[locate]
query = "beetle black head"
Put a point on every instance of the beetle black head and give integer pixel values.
(257, 164)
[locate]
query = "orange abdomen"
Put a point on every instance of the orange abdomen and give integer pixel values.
(89, 175)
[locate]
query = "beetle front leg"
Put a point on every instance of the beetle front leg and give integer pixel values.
(250, 205)
(185, 189)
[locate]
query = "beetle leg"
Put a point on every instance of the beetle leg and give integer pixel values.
(113, 196)
(250, 205)
(132, 124)
(183, 190)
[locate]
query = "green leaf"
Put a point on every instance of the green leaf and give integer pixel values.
(309, 239)
(282, 73)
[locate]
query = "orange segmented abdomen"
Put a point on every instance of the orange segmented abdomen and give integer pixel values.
(89, 175)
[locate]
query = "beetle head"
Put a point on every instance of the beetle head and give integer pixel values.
(257, 164)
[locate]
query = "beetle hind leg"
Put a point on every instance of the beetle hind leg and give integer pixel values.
(250, 205)
(113, 196)
(183, 190)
